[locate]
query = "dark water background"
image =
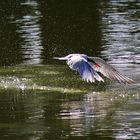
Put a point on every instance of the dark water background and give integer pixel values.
(41, 99)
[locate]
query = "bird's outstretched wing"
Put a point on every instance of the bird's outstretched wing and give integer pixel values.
(108, 71)
(85, 70)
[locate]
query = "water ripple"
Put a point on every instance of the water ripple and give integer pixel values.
(30, 32)
(121, 32)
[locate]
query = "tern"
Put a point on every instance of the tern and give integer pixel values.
(91, 69)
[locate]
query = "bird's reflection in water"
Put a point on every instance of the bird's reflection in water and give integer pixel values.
(98, 111)
(84, 116)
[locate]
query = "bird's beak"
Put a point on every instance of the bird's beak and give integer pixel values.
(60, 58)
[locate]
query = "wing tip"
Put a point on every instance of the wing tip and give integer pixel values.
(129, 81)
(125, 80)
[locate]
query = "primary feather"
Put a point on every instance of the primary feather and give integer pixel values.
(108, 70)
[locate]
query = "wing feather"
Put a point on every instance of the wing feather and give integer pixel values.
(108, 71)
(85, 70)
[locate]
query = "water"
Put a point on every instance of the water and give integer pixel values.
(41, 98)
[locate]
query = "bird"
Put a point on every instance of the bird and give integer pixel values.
(92, 69)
